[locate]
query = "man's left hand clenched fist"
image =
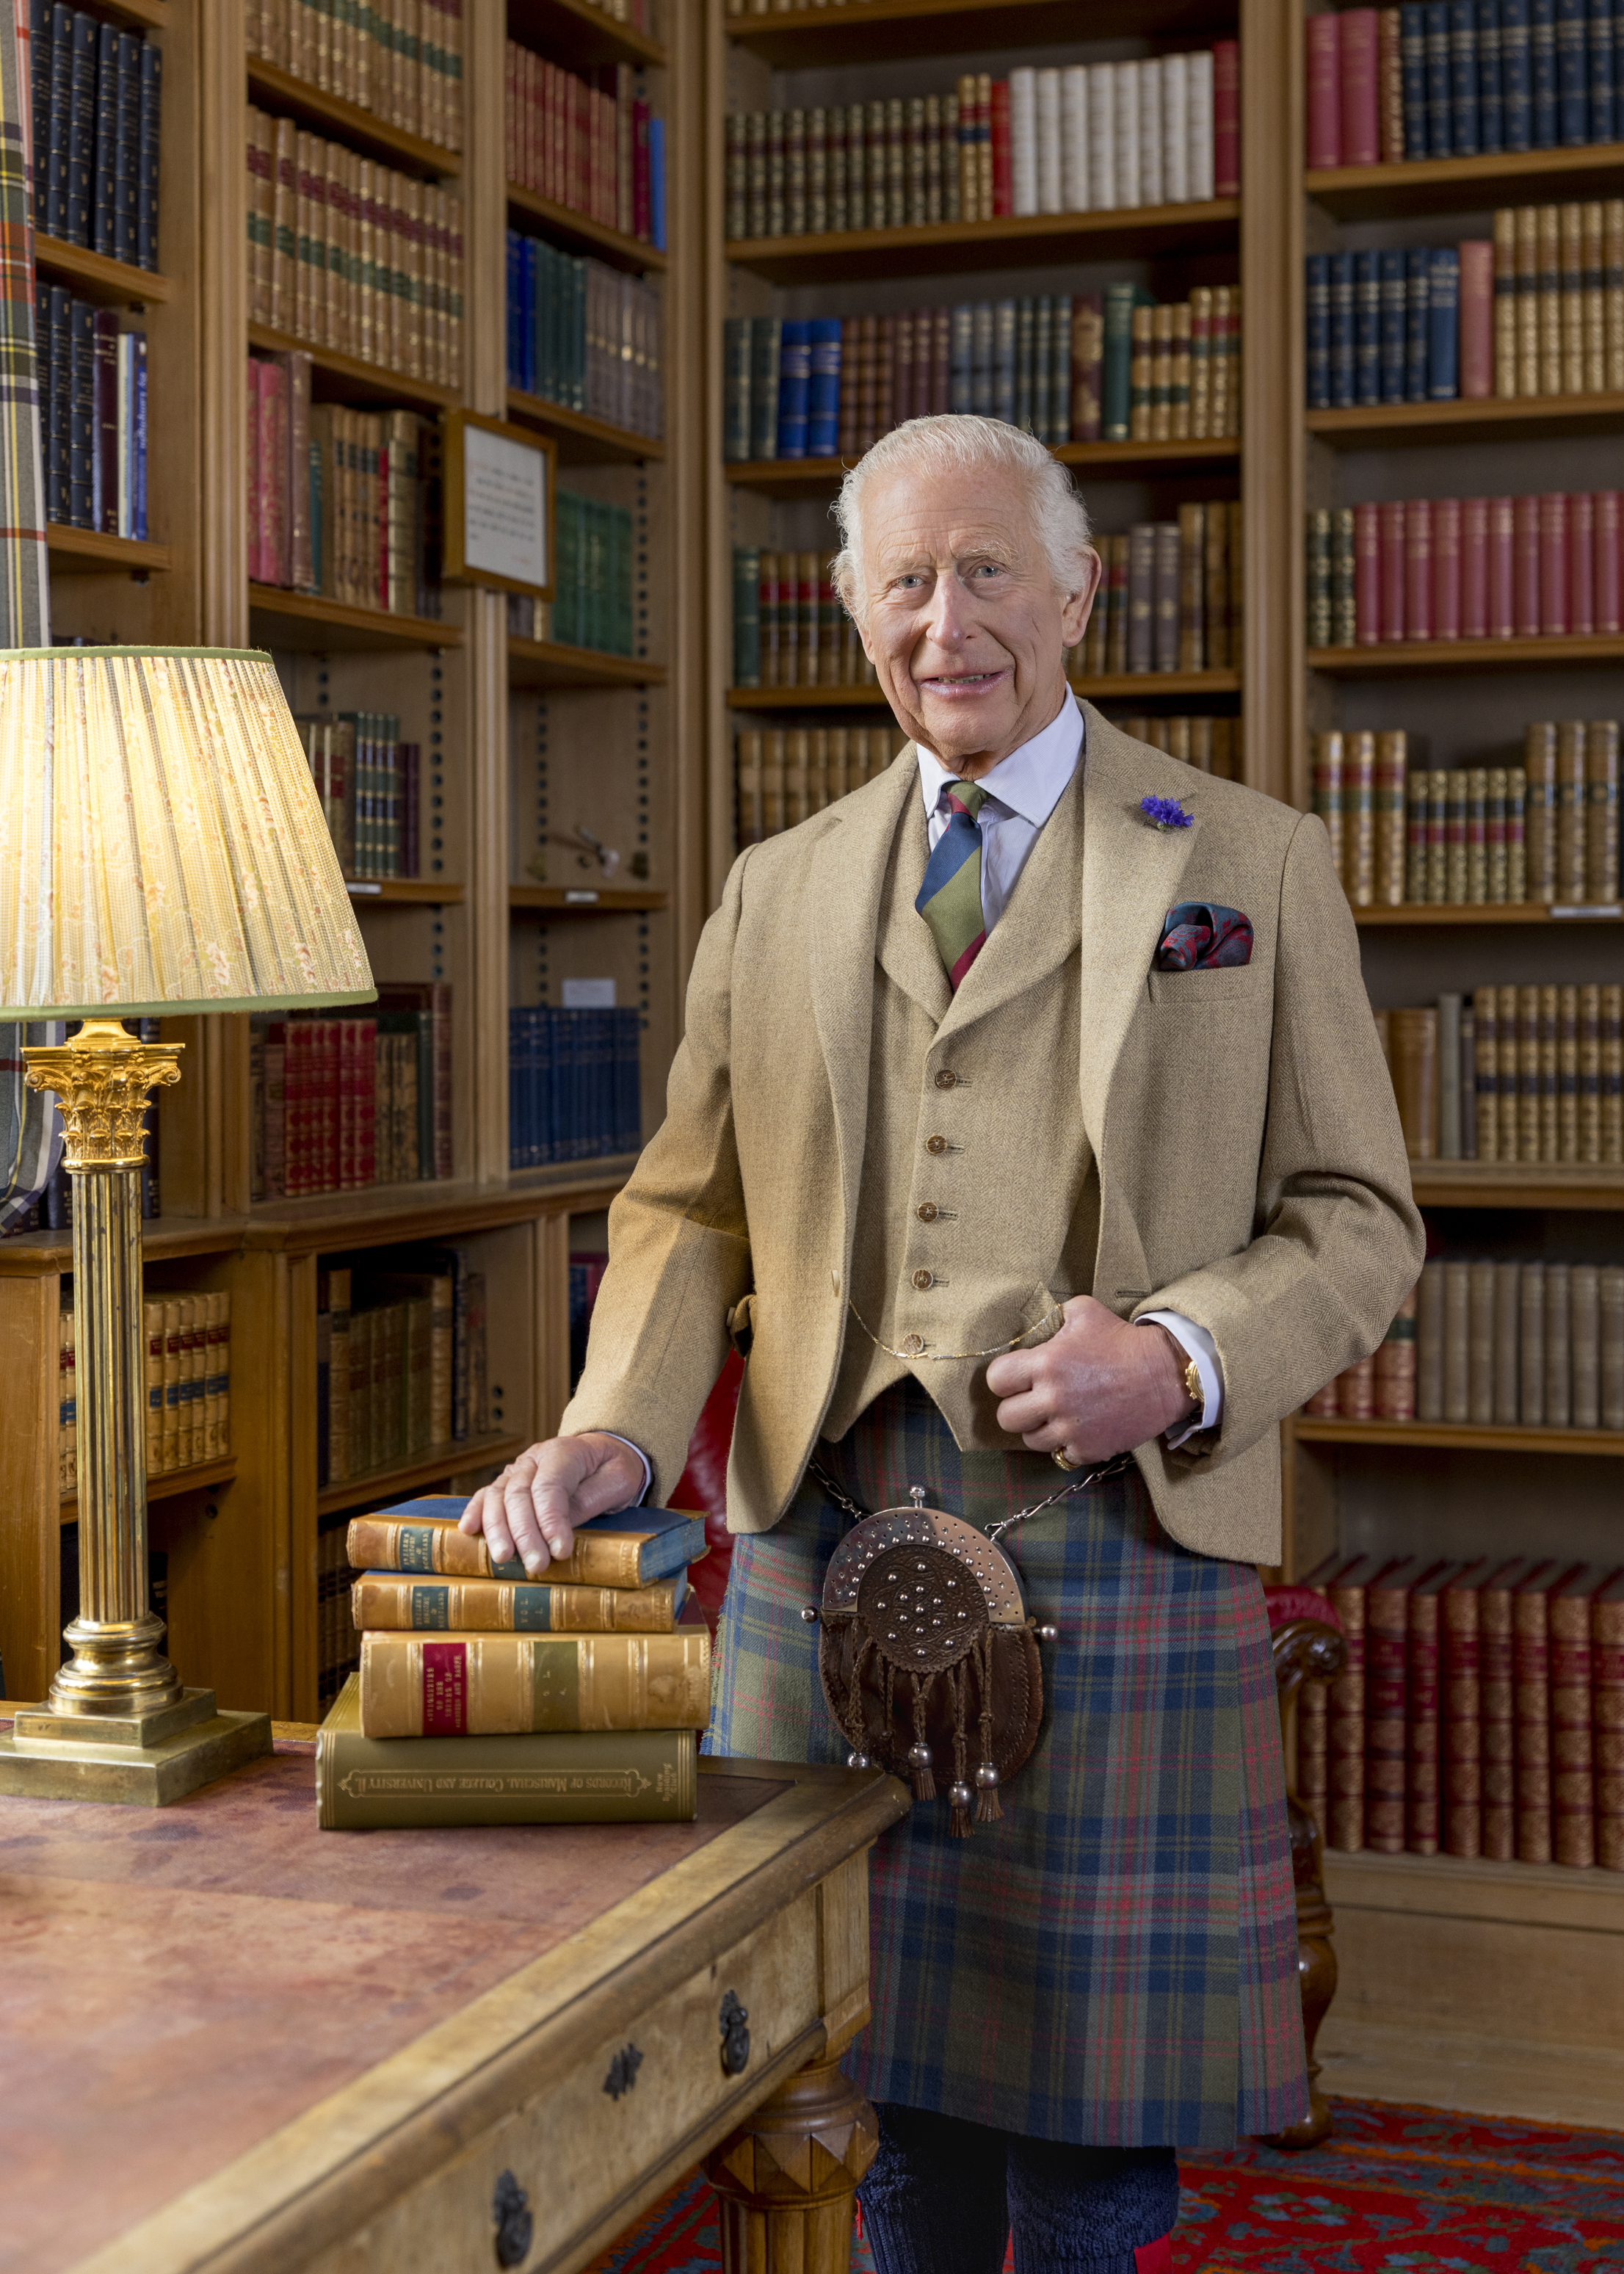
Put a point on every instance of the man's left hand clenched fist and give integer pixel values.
(1098, 1387)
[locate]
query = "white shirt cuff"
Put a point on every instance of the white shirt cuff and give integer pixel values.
(1195, 1342)
(647, 1471)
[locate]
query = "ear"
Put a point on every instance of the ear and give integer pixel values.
(1077, 607)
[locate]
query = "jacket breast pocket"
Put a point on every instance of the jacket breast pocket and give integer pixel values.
(1212, 990)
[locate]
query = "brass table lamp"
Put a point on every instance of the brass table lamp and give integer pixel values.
(162, 851)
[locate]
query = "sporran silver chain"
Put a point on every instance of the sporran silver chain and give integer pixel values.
(1114, 1467)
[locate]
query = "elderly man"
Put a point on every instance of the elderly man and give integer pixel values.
(1029, 1112)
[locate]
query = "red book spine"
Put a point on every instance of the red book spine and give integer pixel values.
(1390, 522)
(1226, 119)
(1418, 568)
(1325, 141)
(256, 520)
(1553, 561)
(1531, 1610)
(346, 1176)
(1525, 566)
(1421, 1724)
(1461, 1733)
(326, 1104)
(1003, 169)
(1608, 562)
(510, 113)
(295, 1064)
(1367, 575)
(1385, 1780)
(1499, 1724)
(639, 169)
(1503, 568)
(1474, 569)
(1582, 561)
(366, 1096)
(1361, 134)
(1477, 319)
(1573, 1798)
(1345, 1772)
(1446, 568)
(1607, 1721)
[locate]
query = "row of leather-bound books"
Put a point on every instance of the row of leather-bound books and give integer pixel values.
(786, 775)
(484, 1696)
(1170, 597)
(1481, 1712)
(186, 1339)
(1534, 1074)
(400, 59)
(1512, 1343)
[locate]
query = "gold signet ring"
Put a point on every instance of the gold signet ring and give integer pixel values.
(1061, 1462)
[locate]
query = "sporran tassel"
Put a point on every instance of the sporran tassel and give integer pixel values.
(920, 1762)
(959, 1825)
(989, 1808)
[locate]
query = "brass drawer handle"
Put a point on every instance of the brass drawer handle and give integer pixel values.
(735, 2036)
(514, 2226)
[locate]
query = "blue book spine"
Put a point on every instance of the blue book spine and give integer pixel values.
(1464, 129)
(795, 385)
(61, 127)
(547, 286)
(40, 66)
(516, 1088)
(138, 437)
(1444, 326)
(81, 411)
(1515, 88)
(544, 1054)
(1542, 74)
(1319, 343)
(657, 184)
(1417, 330)
(1573, 102)
(1491, 117)
(1439, 81)
(1342, 331)
(81, 130)
(147, 142)
(56, 431)
(1392, 305)
(1604, 67)
(1412, 69)
(516, 309)
(1367, 329)
(127, 157)
(824, 388)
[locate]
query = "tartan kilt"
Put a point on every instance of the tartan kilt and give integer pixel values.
(1115, 1963)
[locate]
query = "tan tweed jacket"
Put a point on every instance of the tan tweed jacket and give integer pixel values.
(1250, 1171)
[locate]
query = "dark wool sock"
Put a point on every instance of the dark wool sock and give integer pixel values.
(1087, 2211)
(933, 2201)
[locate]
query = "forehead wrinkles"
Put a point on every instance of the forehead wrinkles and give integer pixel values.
(905, 539)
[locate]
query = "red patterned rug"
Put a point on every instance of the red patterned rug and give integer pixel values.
(1394, 2191)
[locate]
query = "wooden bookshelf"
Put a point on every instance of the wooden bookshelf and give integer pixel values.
(1023, 241)
(314, 623)
(585, 900)
(1516, 1185)
(542, 664)
(576, 32)
(1428, 917)
(1489, 419)
(404, 892)
(582, 441)
(1155, 686)
(198, 1477)
(91, 552)
(1459, 1436)
(346, 378)
(94, 277)
(1391, 658)
(577, 232)
(792, 478)
(281, 92)
(435, 1465)
(1440, 185)
(804, 38)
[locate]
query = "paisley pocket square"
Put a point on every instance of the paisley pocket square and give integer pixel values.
(1196, 937)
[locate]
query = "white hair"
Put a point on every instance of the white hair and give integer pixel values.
(961, 443)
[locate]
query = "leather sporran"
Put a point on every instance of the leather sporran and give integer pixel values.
(929, 1662)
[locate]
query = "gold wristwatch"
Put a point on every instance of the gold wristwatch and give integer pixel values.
(1193, 1390)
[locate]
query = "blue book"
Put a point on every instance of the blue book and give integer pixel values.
(1443, 383)
(1367, 329)
(1412, 67)
(1318, 358)
(1603, 71)
(766, 351)
(516, 310)
(39, 65)
(138, 436)
(1393, 307)
(1515, 87)
(57, 431)
(1572, 100)
(631, 1548)
(1417, 323)
(1542, 74)
(127, 150)
(81, 130)
(795, 386)
(628, 1118)
(657, 184)
(1342, 331)
(1491, 121)
(58, 139)
(1003, 404)
(824, 388)
(147, 151)
(1463, 132)
(1439, 81)
(81, 411)
(529, 314)
(515, 1088)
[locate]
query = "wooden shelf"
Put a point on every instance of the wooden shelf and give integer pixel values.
(1458, 1436)
(198, 1477)
(541, 664)
(151, 14)
(1427, 185)
(96, 277)
(610, 1171)
(881, 31)
(88, 553)
(583, 442)
(400, 1479)
(318, 626)
(402, 892)
(574, 32)
(1427, 917)
(373, 136)
(792, 478)
(586, 900)
(1488, 419)
(580, 232)
(1405, 659)
(1516, 1185)
(382, 1216)
(1153, 685)
(1017, 241)
(347, 379)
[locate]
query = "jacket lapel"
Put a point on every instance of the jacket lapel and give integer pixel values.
(905, 946)
(1131, 873)
(1038, 927)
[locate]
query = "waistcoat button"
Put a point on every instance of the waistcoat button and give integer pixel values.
(923, 1279)
(946, 1079)
(925, 1211)
(936, 1144)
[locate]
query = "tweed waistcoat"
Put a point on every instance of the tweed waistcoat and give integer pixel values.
(938, 1066)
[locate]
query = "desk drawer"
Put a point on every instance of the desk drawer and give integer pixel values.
(632, 2109)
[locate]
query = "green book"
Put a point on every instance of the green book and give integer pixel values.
(594, 1776)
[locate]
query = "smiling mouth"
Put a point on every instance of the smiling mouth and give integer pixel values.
(968, 679)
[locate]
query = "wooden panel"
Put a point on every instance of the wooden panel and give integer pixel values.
(1423, 186)
(583, 442)
(362, 129)
(1490, 418)
(1034, 240)
(1271, 395)
(581, 235)
(1393, 659)
(112, 283)
(803, 37)
(29, 1549)
(1522, 912)
(1492, 1183)
(584, 899)
(340, 378)
(1461, 1436)
(219, 194)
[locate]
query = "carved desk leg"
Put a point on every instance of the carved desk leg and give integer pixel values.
(787, 2179)
(1306, 1651)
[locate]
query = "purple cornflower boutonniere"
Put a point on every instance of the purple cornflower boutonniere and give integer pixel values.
(1165, 813)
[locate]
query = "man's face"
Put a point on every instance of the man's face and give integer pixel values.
(965, 629)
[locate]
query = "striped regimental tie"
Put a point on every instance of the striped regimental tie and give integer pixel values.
(950, 899)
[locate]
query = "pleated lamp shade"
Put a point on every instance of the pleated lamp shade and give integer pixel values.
(162, 844)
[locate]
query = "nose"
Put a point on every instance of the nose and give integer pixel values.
(949, 622)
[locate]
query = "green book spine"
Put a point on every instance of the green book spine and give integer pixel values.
(747, 615)
(611, 1776)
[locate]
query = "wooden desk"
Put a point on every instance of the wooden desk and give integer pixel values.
(230, 2041)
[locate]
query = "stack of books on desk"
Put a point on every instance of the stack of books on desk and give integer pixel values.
(487, 1697)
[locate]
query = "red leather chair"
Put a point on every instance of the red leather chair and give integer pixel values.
(702, 1487)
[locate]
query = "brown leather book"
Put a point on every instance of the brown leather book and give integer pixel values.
(749, 748)
(1507, 1341)
(1610, 1338)
(1519, 1042)
(1385, 1703)
(1460, 1710)
(1414, 1079)
(1457, 1342)
(884, 376)
(1343, 1580)
(1498, 1704)
(1573, 1764)
(1550, 1147)
(1192, 587)
(1394, 1365)
(1423, 1799)
(1567, 1073)
(1531, 1617)
(1480, 1343)
(1430, 1342)
(808, 592)
(850, 330)
(1559, 1346)
(1313, 1731)
(1486, 1068)
(1584, 1344)
(1087, 354)
(1607, 1720)
(1221, 653)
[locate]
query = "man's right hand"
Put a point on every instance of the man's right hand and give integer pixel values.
(533, 1507)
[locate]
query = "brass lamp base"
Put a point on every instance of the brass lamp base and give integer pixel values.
(142, 1761)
